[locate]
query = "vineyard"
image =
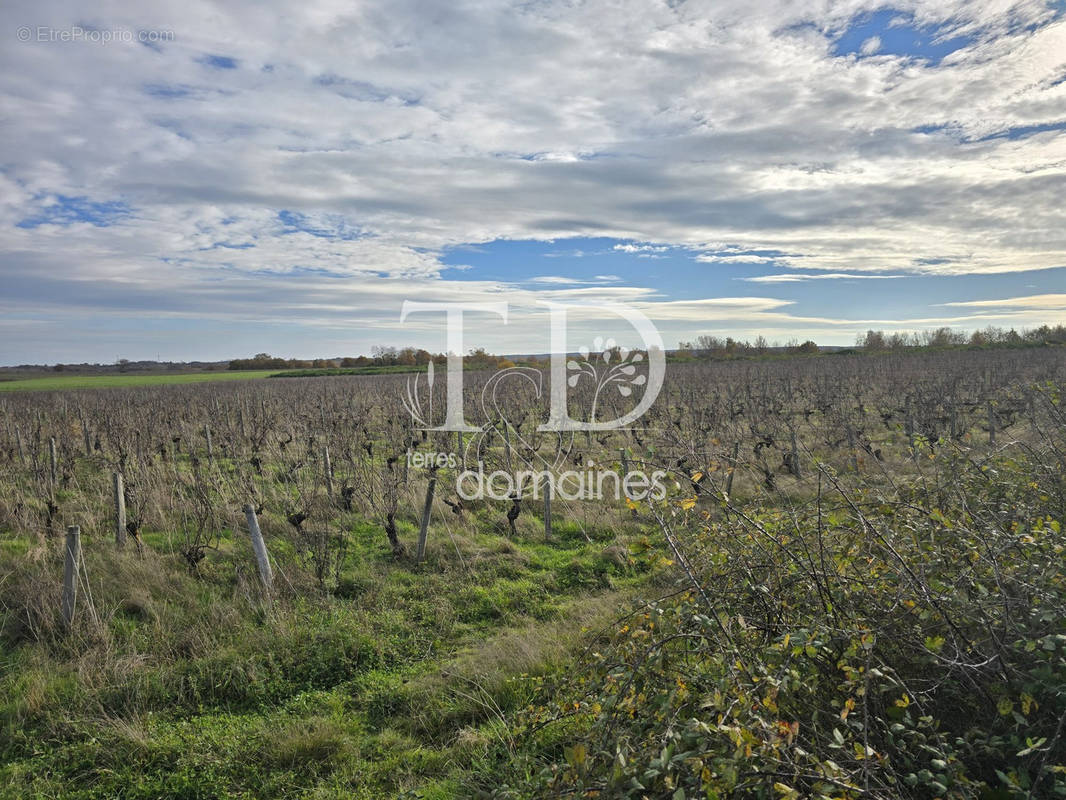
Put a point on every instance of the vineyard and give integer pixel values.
(853, 587)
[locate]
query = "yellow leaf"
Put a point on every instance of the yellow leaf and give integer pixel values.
(1028, 703)
(688, 503)
(849, 706)
(576, 755)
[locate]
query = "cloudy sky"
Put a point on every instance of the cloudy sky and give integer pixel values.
(210, 180)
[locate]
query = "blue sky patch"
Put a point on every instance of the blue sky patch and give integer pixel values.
(894, 33)
(218, 62)
(72, 210)
(335, 227)
(361, 90)
(1022, 131)
(674, 273)
(167, 91)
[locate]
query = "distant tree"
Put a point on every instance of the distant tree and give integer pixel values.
(898, 341)
(871, 340)
(805, 348)
(942, 337)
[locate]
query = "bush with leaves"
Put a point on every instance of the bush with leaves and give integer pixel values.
(881, 638)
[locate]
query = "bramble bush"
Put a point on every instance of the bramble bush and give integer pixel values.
(885, 637)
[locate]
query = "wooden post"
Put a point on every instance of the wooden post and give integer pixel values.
(426, 509)
(120, 509)
(210, 445)
(266, 574)
(459, 449)
(732, 469)
(796, 458)
(52, 459)
(22, 449)
(71, 569)
(85, 438)
(240, 419)
(991, 425)
(851, 447)
(507, 446)
(327, 470)
(625, 471)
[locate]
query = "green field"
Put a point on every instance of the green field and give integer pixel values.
(61, 382)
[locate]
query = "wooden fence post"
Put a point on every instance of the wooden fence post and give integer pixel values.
(266, 574)
(22, 449)
(991, 425)
(426, 509)
(732, 469)
(120, 509)
(210, 444)
(624, 456)
(327, 469)
(71, 569)
(796, 470)
(507, 446)
(52, 459)
(85, 438)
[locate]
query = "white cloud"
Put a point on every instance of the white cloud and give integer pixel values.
(871, 46)
(555, 279)
(641, 248)
(739, 258)
(799, 277)
(401, 129)
(1034, 301)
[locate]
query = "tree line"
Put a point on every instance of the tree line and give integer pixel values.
(947, 337)
(381, 356)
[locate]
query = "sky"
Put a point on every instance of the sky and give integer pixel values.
(203, 180)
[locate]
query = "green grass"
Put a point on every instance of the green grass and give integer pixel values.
(66, 382)
(396, 681)
(331, 371)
